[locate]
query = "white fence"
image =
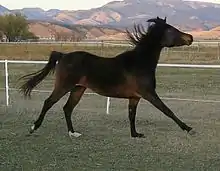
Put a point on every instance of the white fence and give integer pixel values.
(6, 62)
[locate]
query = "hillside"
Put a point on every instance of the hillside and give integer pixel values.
(48, 30)
(210, 34)
(187, 15)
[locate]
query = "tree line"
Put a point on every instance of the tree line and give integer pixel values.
(14, 27)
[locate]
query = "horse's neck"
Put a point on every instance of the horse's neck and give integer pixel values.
(148, 57)
(140, 59)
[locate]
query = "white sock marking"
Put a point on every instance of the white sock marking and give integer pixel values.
(75, 134)
(32, 127)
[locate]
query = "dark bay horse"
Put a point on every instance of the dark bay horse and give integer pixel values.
(129, 75)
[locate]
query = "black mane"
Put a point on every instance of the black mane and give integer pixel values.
(140, 35)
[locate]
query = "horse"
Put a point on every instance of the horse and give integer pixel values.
(129, 75)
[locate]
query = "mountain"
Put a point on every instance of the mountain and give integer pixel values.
(47, 30)
(3, 10)
(188, 15)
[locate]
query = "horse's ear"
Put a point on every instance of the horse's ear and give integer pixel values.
(157, 20)
(165, 19)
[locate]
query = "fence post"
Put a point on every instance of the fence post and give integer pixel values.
(61, 46)
(108, 99)
(218, 50)
(102, 48)
(168, 53)
(6, 83)
(108, 105)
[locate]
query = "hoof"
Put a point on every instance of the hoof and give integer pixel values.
(74, 134)
(32, 129)
(137, 135)
(192, 132)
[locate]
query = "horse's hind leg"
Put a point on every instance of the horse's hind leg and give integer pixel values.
(56, 95)
(132, 110)
(74, 98)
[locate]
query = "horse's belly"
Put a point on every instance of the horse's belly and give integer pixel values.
(118, 87)
(121, 91)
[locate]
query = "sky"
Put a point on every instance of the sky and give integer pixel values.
(54, 4)
(214, 1)
(60, 4)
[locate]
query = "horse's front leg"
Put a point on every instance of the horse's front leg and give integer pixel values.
(154, 99)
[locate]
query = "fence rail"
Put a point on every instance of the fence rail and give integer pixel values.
(199, 52)
(6, 62)
(95, 42)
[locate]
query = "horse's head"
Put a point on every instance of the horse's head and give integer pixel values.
(168, 35)
(159, 34)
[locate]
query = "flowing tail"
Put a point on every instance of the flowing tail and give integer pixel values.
(35, 78)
